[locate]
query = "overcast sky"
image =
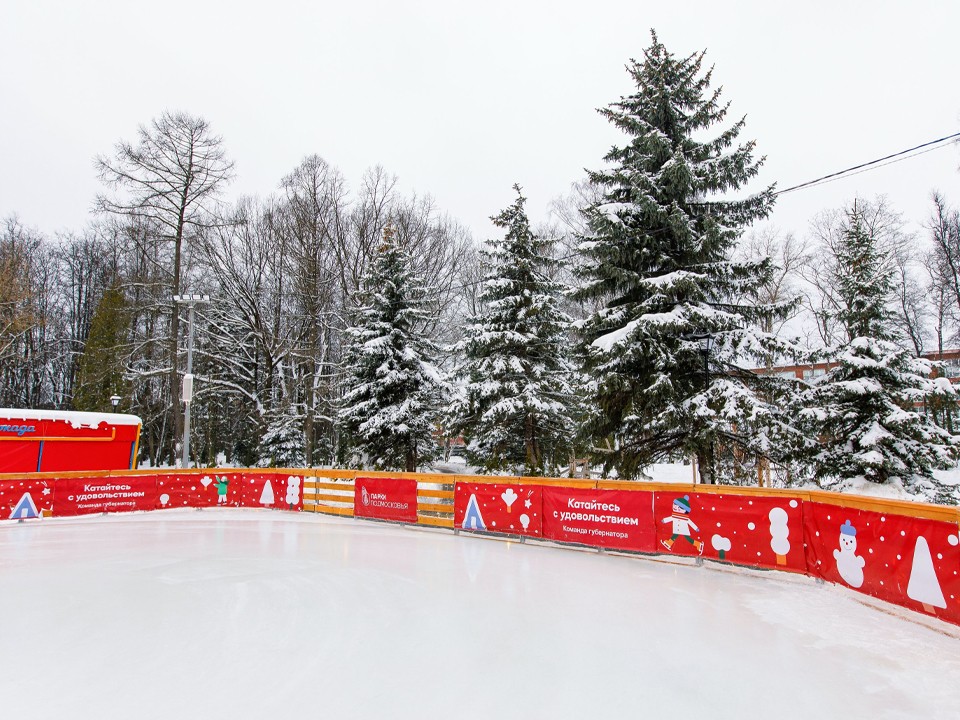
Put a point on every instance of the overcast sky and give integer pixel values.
(461, 100)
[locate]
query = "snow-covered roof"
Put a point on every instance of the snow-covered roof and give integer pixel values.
(76, 419)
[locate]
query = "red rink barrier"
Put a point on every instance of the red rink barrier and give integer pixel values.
(249, 488)
(281, 491)
(743, 529)
(26, 499)
(621, 519)
(385, 499)
(198, 490)
(512, 509)
(913, 562)
(118, 493)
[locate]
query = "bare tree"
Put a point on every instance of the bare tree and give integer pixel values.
(567, 210)
(16, 314)
(787, 255)
(914, 303)
(944, 261)
(171, 177)
(314, 222)
(247, 343)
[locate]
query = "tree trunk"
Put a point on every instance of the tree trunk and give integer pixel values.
(705, 464)
(411, 456)
(534, 459)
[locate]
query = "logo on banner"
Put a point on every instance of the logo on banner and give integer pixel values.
(473, 520)
(26, 509)
(386, 498)
(380, 500)
(19, 430)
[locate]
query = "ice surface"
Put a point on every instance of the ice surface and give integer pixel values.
(254, 614)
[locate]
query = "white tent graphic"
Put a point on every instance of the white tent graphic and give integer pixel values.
(473, 520)
(25, 509)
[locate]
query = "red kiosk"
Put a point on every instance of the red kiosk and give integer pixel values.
(57, 441)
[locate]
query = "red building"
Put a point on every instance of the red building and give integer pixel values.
(54, 440)
(811, 371)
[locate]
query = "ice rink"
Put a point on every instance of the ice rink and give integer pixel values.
(263, 614)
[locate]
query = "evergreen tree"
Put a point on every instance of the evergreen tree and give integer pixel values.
(657, 259)
(515, 409)
(390, 412)
(282, 442)
(862, 419)
(100, 370)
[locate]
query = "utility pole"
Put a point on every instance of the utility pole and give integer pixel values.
(191, 301)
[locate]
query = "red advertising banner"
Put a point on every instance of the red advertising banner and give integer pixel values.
(512, 509)
(198, 491)
(385, 499)
(742, 529)
(911, 562)
(26, 499)
(275, 490)
(79, 496)
(621, 519)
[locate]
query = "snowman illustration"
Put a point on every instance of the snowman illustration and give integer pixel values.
(680, 517)
(849, 564)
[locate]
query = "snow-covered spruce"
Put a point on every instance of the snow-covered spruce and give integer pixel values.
(657, 255)
(282, 443)
(515, 409)
(864, 420)
(389, 414)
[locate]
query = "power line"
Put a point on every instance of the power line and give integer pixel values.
(877, 167)
(862, 166)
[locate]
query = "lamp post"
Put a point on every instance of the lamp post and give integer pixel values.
(191, 301)
(705, 341)
(114, 400)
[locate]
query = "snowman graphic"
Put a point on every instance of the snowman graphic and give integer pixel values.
(680, 517)
(849, 564)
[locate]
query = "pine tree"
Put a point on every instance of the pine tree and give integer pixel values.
(514, 412)
(390, 413)
(862, 419)
(100, 370)
(657, 258)
(282, 442)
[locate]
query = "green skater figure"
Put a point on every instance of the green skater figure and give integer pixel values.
(222, 483)
(682, 524)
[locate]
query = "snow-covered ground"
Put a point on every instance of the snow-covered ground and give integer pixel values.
(255, 614)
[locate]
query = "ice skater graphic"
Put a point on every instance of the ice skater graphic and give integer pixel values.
(222, 483)
(682, 524)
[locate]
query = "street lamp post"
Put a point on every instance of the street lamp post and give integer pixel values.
(114, 400)
(191, 301)
(705, 340)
